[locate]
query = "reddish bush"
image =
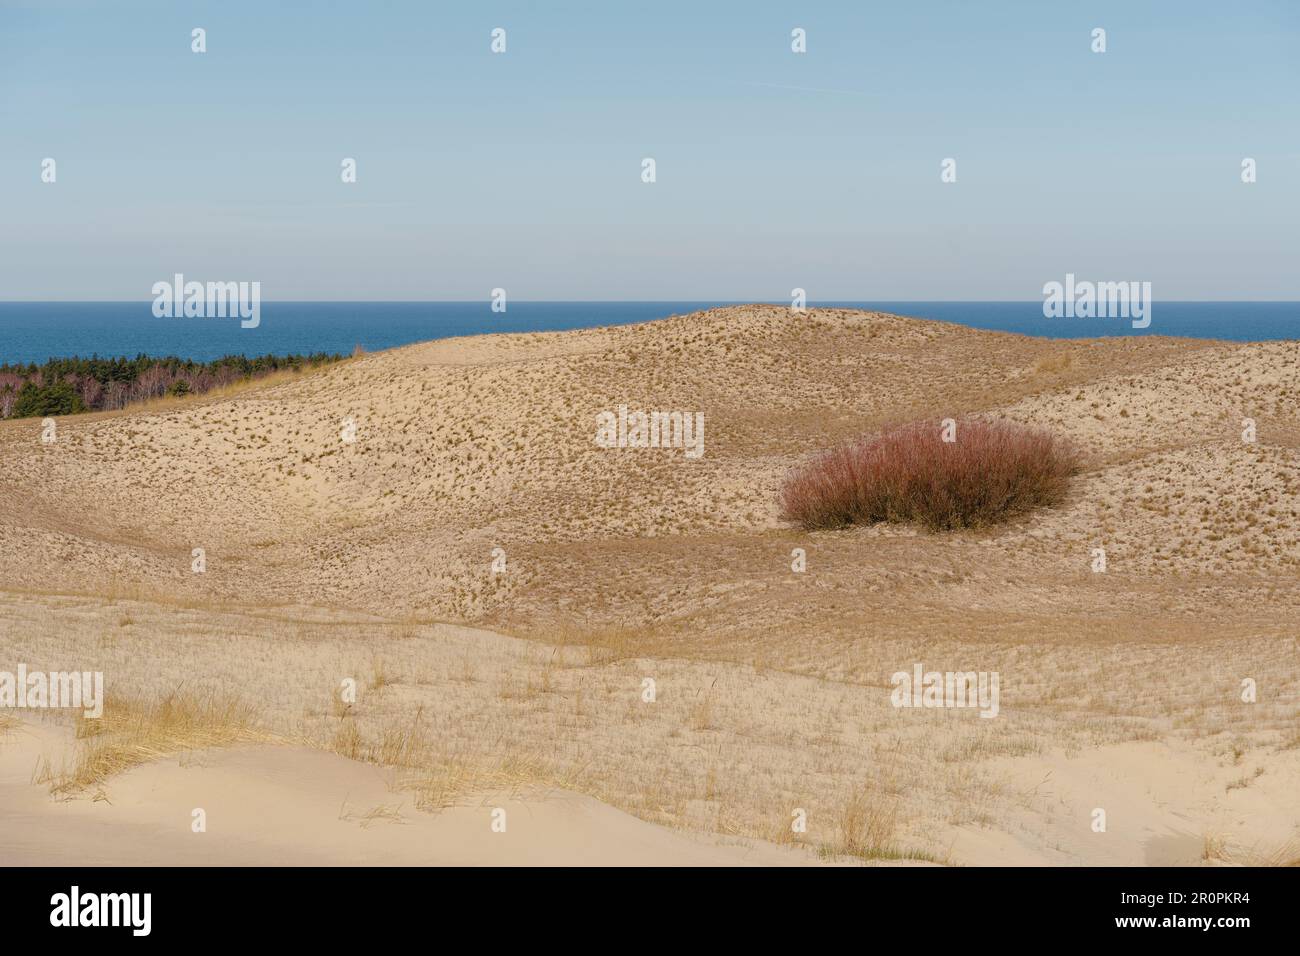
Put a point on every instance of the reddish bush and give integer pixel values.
(992, 472)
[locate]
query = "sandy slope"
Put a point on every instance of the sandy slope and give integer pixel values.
(278, 806)
(327, 558)
(464, 445)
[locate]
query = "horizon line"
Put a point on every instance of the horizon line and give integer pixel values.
(488, 301)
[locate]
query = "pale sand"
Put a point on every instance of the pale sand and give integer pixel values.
(328, 560)
(281, 806)
(289, 806)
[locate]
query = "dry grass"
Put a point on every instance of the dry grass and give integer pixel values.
(1282, 854)
(867, 828)
(134, 732)
(727, 747)
(347, 739)
(1054, 364)
(603, 643)
(1214, 848)
(437, 776)
(448, 782)
(1219, 850)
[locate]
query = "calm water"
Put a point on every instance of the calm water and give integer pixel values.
(35, 331)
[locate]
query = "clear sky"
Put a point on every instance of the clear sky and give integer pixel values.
(522, 170)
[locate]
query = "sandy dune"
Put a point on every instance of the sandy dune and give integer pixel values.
(279, 806)
(328, 559)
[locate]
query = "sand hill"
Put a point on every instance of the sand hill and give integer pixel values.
(327, 558)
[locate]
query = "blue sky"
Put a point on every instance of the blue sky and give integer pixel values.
(775, 170)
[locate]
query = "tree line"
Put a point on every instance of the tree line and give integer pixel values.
(67, 386)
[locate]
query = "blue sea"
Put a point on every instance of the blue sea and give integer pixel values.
(36, 331)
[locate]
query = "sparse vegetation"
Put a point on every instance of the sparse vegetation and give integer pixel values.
(133, 732)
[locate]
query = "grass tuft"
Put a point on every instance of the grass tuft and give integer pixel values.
(131, 733)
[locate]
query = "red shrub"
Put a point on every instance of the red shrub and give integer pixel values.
(992, 472)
